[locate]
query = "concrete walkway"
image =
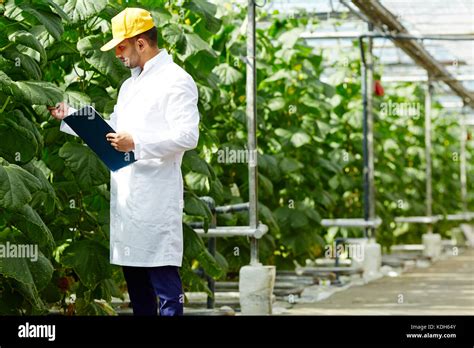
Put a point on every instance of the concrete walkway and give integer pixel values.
(444, 288)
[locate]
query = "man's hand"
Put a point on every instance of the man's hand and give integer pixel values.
(59, 111)
(121, 141)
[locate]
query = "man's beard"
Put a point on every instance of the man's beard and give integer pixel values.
(126, 62)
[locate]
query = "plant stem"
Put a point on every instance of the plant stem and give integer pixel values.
(7, 46)
(5, 104)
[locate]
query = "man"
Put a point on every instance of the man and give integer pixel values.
(156, 116)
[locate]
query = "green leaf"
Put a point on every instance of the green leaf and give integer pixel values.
(93, 308)
(268, 164)
(288, 165)
(90, 260)
(16, 268)
(284, 133)
(331, 166)
(29, 40)
(51, 293)
(298, 219)
(193, 243)
(334, 182)
(312, 214)
(42, 271)
(18, 143)
(101, 97)
(106, 290)
(289, 37)
(30, 293)
(207, 11)
(76, 98)
(16, 186)
(41, 93)
(300, 138)
(194, 249)
(265, 184)
(197, 182)
(173, 34)
(222, 262)
(43, 36)
(192, 161)
(51, 21)
(217, 190)
(194, 206)
(110, 287)
(279, 75)
(79, 10)
(47, 196)
(268, 218)
(104, 62)
(59, 10)
(195, 44)
(160, 16)
(310, 102)
(31, 92)
(60, 49)
(210, 264)
(227, 74)
(205, 95)
(25, 62)
(89, 170)
(31, 277)
(30, 125)
(276, 103)
(10, 301)
(30, 223)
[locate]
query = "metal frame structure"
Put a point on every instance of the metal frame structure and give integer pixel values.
(383, 19)
(392, 29)
(214, 232)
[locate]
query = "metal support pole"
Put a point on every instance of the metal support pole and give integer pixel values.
(370, 131)
(462, 160)
(367, 127)
(251, 90)
(211, 247)
(211, 283)
(429, 190)
(363, 73)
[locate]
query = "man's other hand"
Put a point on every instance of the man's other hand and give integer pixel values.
(59, 111)
(121, 141)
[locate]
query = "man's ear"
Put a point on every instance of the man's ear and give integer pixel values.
(141, 44)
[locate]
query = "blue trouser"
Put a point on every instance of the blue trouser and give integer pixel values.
(145, 284)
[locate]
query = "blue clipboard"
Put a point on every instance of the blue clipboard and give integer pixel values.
(92, 128)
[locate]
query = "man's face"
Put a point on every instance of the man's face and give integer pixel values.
(127, 53)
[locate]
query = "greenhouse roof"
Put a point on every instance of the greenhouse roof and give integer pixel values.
(454, 18)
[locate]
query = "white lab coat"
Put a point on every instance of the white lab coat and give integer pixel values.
(158, 107)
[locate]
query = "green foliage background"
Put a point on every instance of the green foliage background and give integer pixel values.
(54, 192)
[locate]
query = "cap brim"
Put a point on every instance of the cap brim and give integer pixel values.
(111, 44)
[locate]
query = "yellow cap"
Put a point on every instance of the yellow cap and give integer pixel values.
(128, 23)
